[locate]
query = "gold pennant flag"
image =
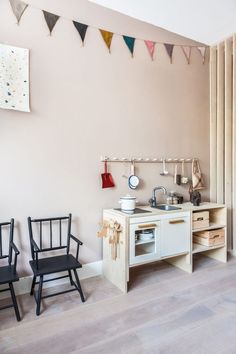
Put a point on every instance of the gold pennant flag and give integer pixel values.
(18, 8)
(107, 37)
(187, 52)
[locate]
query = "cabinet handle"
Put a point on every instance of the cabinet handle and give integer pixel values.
(200, 219)
(180, 221)
(147, 226)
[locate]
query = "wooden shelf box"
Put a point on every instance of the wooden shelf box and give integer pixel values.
(210, 237)
(200, 219)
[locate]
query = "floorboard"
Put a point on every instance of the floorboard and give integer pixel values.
(166, 311)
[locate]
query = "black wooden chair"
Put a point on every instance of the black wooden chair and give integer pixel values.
(8, 274)
(55, 229)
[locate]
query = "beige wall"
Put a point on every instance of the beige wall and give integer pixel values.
(87, 103)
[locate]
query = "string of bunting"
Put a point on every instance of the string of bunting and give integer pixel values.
(19, 7)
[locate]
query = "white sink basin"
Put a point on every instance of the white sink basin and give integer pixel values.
(166, 207)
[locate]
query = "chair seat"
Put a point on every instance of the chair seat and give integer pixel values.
(54, 264)
(7, 275)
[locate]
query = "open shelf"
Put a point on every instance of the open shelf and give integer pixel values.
(142, 252)
(144, 242)
(211, 226)
(201, 248)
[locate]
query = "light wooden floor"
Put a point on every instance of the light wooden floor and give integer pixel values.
(165, 311)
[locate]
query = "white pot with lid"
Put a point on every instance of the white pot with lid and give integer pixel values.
(127, 203)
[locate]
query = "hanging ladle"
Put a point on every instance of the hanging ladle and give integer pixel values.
(164, 172)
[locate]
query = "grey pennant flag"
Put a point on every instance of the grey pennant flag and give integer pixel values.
(51, 20)
(169, 49)
(18, 8)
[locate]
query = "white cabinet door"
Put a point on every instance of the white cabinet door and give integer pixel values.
(175, 236)
(144, 239)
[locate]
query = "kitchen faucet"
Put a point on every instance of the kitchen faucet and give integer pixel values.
(153, 200)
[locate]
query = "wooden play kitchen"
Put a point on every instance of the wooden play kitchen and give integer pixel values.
(150, 235)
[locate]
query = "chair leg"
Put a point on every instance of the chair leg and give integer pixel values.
(79, 286)
(70, 276)
(39, 295)
(13, 296)
(33, 285)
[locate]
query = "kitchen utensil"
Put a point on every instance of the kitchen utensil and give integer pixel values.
(104, 229)
(107, 180)
(114, 238)
(127, 203)
(169, 200)
(195, 196)
(177, 177)
(180, 199)
(133, 180)
(164, 171)
(184, 179)
(172, 198)
(146, 235)
(197, 179)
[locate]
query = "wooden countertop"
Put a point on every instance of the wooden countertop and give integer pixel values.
(182, 208)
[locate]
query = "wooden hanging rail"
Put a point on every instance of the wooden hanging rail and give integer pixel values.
(147, 159)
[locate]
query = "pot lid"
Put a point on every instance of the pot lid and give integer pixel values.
(128, 197)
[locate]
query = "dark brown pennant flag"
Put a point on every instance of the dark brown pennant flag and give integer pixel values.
(82, 29)
(50, 19)
(169, 49)
(107, 37)
(18, 8)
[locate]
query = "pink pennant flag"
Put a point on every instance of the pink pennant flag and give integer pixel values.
(187, 52)
(150, 47)
(202, 51)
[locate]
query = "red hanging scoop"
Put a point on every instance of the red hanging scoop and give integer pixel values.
(107, 180)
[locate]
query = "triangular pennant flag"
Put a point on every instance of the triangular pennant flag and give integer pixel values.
(151, 47)
(50, 19)
(81, 28)
(169, 49)
(130, 43)
(107, 37)
(18, 8)
(202, 51)
(187, 52)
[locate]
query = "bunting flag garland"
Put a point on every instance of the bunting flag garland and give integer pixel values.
(82, 29)
(18, 8)
(107, 37)
(202, 51)
(130, 44)
(50, 19)
(169, 49)
(187, 52)
(150, 47)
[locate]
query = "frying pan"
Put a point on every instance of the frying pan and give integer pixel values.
(133, 180)
(107, 180)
